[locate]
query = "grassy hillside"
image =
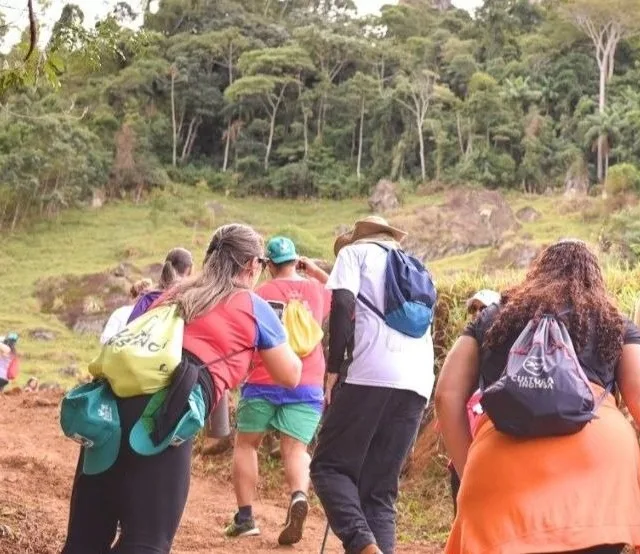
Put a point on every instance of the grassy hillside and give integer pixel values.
(82, 242)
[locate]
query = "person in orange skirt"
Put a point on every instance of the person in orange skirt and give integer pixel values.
(574, 493)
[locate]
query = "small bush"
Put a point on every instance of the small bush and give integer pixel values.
(622, 178)
(156, 177)
(292, 181)
(227, 182)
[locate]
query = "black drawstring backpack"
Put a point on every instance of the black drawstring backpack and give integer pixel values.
(543, 391)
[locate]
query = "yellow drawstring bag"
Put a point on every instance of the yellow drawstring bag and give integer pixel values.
(303, 331)
(142, 357)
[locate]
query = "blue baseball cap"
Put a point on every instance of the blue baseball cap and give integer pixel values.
(187, 427)
(89, 415)
(281, 250)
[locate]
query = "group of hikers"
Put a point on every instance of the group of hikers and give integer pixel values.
(542, 459)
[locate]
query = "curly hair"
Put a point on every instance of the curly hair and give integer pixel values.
(565, 276)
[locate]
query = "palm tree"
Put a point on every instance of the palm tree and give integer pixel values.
(521, 91)
(603, 129)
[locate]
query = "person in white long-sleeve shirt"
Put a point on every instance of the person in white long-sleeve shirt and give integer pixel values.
(118, 319)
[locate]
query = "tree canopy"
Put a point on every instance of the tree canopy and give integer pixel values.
(302, 98)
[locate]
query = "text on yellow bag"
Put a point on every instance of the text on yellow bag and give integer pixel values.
(142, 357)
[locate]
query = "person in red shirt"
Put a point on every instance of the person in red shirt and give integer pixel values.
(266, 406)
(227, 328)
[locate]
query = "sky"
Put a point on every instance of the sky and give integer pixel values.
(16, 14)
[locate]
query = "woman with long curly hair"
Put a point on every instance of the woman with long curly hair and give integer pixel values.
(573, 493)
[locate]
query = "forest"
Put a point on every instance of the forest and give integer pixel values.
(304, 98)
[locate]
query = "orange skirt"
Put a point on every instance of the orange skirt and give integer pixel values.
(551, 494)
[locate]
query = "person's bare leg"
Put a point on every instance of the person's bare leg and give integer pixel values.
(296, 471)
(296, 461)
(245, 479)
(245, 466)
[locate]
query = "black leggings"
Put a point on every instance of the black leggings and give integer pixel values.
(146, 495)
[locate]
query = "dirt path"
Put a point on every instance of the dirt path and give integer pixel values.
(36, 470)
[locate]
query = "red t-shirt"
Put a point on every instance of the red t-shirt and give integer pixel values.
(235, 329)
(318, 299)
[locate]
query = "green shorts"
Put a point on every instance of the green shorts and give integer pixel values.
(299, 420)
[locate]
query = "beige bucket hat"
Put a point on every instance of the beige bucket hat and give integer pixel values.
(370, 226)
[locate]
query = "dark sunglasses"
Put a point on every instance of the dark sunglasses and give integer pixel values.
(264, 262)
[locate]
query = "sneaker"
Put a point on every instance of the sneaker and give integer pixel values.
(242, 529)
(296, 516)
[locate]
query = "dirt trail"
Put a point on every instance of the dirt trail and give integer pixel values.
(36, 469)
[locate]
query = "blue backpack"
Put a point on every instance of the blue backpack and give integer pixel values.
(543, 391)
(409, 294)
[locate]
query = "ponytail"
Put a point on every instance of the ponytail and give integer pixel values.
(177, 264)
(168, 276)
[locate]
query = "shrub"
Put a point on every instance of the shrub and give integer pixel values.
(227, 182)
(622, 178)
(292, 180)
(488, 167)
(155, 176)
(453, 292)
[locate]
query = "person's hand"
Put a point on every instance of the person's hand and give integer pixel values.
(332, 379)
(311, 269)
(306, 264)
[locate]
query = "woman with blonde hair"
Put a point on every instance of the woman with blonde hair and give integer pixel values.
(225, 323)
(540, 493)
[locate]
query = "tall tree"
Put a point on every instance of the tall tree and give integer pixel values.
(415, 93)
(268, 74)
(363, 89)
(606, 24)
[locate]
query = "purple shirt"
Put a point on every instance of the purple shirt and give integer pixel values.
(144, 303)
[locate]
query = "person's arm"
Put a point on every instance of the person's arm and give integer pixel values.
(312, 270)
(628, 371)
(344, 282)
(457, 381)
(341, 329)
(628, 379)
(283, 365)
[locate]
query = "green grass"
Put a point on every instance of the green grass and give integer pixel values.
(82, 241)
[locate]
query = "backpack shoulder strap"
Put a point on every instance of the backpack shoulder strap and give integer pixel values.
(383, 246)
(370, 305)
(227, 357)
